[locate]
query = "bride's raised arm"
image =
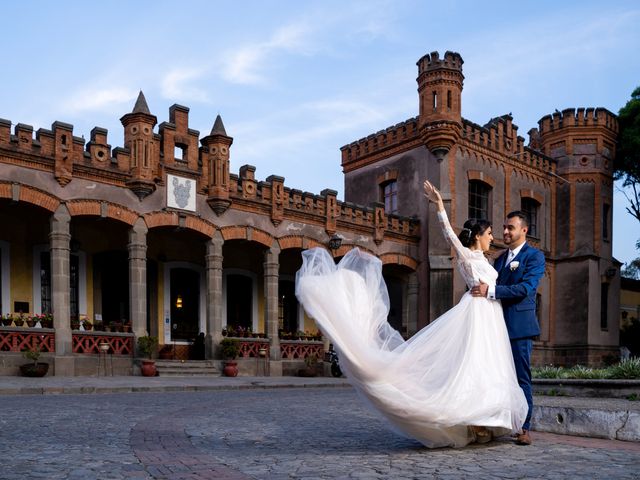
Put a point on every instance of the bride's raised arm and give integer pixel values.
(434, 196)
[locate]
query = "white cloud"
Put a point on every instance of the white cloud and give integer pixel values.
(175, 85)
(99, 99)
(247, 64)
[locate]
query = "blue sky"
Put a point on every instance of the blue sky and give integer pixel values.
(296, 80)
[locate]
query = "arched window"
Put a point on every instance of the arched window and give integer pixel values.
(479, 193)
(530, 208)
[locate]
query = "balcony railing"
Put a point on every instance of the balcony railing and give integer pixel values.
(89, 342)
(17, 339)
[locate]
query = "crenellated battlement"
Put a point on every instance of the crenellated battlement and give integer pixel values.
(432, 61)
(578, 117)
(272, 195)
(501, 135)
(382, 141)
(67, 156)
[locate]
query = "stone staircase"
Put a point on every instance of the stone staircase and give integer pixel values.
(186, 368)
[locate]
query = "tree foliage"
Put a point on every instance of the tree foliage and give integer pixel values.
(627, 162)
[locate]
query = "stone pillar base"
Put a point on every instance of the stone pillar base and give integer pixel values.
(275, 368)
(64, 366)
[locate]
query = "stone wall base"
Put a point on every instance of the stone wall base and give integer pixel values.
(570, 355)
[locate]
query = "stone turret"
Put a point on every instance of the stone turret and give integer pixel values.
(215, 154)
(143, 147)
(440, 90)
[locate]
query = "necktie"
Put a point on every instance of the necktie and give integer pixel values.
(510, 256)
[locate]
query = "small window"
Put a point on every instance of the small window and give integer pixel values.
(604, 306)
(390, 196)
(449, 100)
(435, 100)
(479, 200)
(530, 208)
(606, 208)
(180, 153)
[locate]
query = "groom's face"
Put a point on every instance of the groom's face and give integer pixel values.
(514, 232)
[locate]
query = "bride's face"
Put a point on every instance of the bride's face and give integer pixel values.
(483, 242)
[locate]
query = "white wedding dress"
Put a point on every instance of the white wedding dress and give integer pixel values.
(456, 372)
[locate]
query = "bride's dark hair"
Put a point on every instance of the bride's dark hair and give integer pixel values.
(472, 227)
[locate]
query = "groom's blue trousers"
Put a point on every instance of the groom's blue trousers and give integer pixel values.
(521, 349)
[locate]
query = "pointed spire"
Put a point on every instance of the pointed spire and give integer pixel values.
(141, 105)
(218, 127)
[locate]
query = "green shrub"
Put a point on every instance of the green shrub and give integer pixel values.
(548, 371)
(147, 346)
(629, 368)
(230, 348)
(626, 369)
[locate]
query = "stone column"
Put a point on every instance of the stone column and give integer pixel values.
(214, 295)
(271, 267)
(411, 308)
(138, 278)
(59, 238)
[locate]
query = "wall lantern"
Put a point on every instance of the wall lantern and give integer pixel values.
(179, 301)
(334, 242)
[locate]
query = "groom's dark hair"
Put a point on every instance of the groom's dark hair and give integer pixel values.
(521, 215)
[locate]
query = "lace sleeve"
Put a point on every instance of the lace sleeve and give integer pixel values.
(464, 254)
(451, 237)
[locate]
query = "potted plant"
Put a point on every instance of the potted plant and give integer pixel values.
(230, 349)
(87, 325)
(46, 320)
(311, 364)
(6, 320)
(75, 324)
(35, 369)
(147, 347)
(31, 321)
(18, 320)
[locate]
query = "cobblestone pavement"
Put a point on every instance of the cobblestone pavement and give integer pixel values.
(310, 433)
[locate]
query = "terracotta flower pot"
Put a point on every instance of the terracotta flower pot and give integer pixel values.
(34, 370)
(148, 368)
(230, 368)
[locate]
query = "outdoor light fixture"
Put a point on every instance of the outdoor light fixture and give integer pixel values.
(179, 301)
(334, 242)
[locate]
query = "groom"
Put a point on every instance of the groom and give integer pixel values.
(519, 271)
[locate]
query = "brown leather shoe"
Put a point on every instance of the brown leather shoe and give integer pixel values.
(523, 438)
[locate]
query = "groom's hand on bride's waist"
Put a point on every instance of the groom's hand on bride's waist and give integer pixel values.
(480, 290)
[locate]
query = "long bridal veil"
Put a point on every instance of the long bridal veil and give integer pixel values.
(430, 387)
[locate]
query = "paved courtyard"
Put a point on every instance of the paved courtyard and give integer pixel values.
(304, 433)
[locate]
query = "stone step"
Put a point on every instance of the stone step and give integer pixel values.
(212, 372)
(187, 368)
(185, 363)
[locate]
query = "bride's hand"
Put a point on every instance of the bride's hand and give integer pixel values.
(432, 193)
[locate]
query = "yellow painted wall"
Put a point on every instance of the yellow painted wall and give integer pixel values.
(21, 274)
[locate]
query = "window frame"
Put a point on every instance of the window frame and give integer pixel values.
(486, 196)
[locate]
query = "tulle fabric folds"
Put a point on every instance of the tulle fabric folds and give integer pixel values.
(454, 373)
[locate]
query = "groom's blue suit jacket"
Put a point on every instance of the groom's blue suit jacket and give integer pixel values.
(516, 288)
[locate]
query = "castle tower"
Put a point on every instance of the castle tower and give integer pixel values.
(582, 141)
(143, 148)
(215, 154)
(440, 91)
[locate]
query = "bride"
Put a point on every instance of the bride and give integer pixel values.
(454, 381)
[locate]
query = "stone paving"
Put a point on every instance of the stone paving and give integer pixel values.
(304, 433)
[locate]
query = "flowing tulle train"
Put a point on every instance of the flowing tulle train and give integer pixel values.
(456, 372)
